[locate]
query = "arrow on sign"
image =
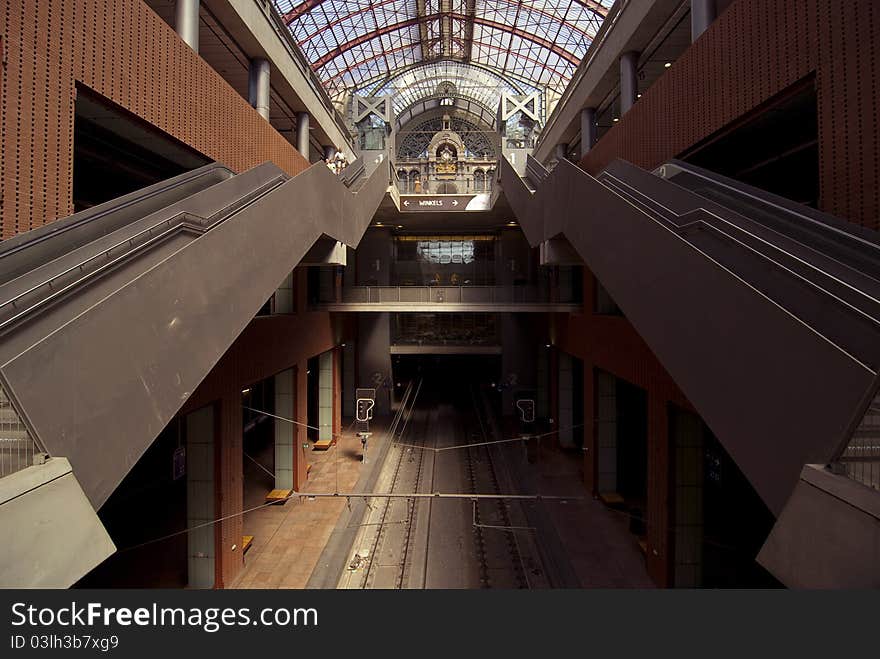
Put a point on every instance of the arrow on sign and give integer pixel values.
(406, 202)
(455, 202)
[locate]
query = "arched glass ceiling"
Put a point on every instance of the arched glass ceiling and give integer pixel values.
(355, 45)
(430, 79)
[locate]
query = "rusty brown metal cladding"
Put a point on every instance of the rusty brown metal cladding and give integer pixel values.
(753, 51)
(122, 50)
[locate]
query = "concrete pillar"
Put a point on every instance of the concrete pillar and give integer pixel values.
(284, 431)
(258, 86)
(302, 134)
(588, 130)
(301, 404)
(566, 402)
(229, 490)
(606, 433)
(659, 558)
(284, 296)
(325, 396)
(702, 15)
(187, 22)
(200, 497)
(590, 445)
(628, 83)
(349, 377)
(542, 402)
(561, 151)
(329, 151)
(686, 431)
(337, 391)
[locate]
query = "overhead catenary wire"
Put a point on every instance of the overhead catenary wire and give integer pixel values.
(363, 495)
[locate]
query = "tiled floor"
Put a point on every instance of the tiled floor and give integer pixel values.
(288, 539)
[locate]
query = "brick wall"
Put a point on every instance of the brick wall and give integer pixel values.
(753, 51)
(122, 50)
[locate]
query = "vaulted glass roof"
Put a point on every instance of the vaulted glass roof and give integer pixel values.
(369, 46)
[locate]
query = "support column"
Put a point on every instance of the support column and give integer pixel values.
(686, 431)
(302, 134)
(284, 431)
(553, 394)
(606, 433)
(229, 494)
(325, 396)
(566, 402)
(187, 22)
(337, 391)
(284, 296)
(300, 437)
(561, 151)
(628, 83)
(349, 378)
(590, 445)
(702, 15)
(658, 557)
(588, 130)
(200, 545)
(258, 86)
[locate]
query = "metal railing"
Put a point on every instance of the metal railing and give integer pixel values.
(58, 284)
(861, 458)
(447, 295)
(17, 447)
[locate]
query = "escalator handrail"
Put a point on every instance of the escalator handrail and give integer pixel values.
(837, 227)
(709, 219)
(702, 222)
(174, 223)
(54, 229)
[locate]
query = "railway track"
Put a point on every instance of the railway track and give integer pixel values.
(391, 545)
(409, 542)
(498, 552)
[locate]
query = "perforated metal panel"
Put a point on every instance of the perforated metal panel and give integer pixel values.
(753, 51)
(122, 50)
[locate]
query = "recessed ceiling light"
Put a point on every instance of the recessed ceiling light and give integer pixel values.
(638, 95)
(668, 64)
(399, 226)
(616, 119)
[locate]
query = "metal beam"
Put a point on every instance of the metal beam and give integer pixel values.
(387, 29)
(308, 5)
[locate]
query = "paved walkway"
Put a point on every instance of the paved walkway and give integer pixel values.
(596, 540)
(288, 539)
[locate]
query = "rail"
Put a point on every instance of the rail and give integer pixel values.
(124, 250)
(17, 446)
(448, 295)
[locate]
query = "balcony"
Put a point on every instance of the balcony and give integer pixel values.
(476, 299)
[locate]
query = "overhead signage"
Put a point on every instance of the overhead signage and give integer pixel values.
(443, 203)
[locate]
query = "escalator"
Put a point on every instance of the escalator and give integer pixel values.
(110, 318)
(764, 312)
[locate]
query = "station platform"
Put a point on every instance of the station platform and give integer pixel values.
(288, 539)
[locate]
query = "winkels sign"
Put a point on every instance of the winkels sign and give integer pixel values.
(443, 203)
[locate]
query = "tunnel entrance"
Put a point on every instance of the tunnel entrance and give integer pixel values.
(442, 375)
